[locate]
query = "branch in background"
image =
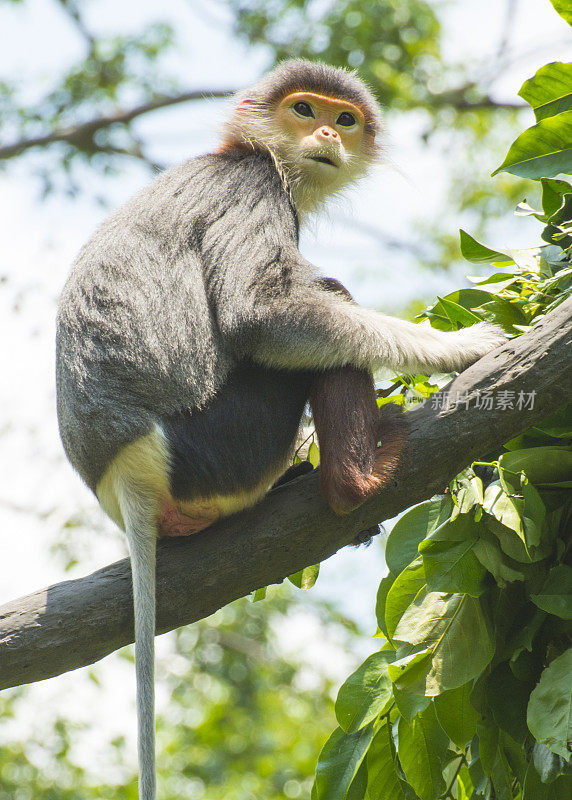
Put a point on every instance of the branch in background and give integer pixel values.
(386, 240)
(507, 29)
(136, 150)
(456, 99)
(73, 12)
(82, 136)
(77, 622)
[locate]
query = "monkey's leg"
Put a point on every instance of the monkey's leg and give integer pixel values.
(349, 427)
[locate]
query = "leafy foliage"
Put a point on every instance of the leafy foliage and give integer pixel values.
(470, 697)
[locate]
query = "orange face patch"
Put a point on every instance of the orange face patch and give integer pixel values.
(305, 116)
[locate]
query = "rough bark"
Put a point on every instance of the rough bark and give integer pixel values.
(77, 622)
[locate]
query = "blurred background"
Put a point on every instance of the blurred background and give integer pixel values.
(95, 98)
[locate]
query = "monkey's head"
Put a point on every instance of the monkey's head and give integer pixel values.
(318, 122)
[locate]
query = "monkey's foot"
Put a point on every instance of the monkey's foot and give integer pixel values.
(172, 521)
(347, 484)
(293, 472)
(348, 489)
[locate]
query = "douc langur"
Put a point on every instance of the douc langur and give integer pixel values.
(191, 333)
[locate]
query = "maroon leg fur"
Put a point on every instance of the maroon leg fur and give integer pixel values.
(349, 426)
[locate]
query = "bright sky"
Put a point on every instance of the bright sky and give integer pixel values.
(38, 492)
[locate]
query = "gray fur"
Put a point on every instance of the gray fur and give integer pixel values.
(195, 274)
(138, 335)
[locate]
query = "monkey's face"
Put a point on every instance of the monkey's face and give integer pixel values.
(322, 138)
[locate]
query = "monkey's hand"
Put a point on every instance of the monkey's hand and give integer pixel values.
(474, 342)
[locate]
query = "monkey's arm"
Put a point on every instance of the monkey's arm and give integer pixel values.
(304, 326)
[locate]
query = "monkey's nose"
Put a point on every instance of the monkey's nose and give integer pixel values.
(327, 133)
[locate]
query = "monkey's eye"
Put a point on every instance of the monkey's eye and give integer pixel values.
(346, 119)
(303, 109)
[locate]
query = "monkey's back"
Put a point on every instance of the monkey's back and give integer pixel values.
(137, 333)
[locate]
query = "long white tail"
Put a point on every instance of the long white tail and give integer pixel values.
(141, 532)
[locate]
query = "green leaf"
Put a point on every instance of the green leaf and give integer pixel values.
(508, 698)
(482, 787)
(384, 587)
(510, 542)
(410, 529)
(403, 591)
(494, 760)
(503, 312)
(383, 777)
(527, 258)
(488, 734)
(563, 8)
(471, 250)
(542, 465)
(549, 92)
(534, 789)
(542, 151)
(555, 597)
(498, 504)
(456, 715)
(497, 282)
(448, 558)
(410, 704)
(259, 594)
(469, 298)
(305, 578)
(455, 628)
(548, 765)
(559, 424)
(358, 786)
(467, 491)
(339, 762)
(516, 755)
(527, 502)
(558, 230)
(550, 708)
(366, 694)
(465, 786)
(456, 314)
(409, 673)
(422, 748)
(552, 193)
(313, 454)
(489, 553)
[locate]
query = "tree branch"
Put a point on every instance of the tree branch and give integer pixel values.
(77, 622)
(457, 99)
(82, 136)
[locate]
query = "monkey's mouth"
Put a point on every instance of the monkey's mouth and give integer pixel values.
(322, 160)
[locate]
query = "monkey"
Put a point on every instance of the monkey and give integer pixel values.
(191, 333)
